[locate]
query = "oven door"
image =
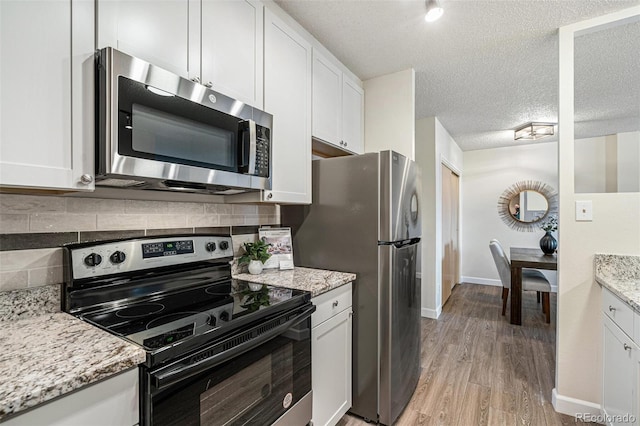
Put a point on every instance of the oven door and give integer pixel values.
(157, 125)
(262, 380)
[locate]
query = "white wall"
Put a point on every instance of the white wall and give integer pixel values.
(615, 229)
(629, 162)
(434, 145)
(389, 113)
(487, 173)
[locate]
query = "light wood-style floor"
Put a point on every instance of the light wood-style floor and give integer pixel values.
(477, 369)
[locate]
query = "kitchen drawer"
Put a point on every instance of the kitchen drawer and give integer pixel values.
(331, 303)
(619, 312)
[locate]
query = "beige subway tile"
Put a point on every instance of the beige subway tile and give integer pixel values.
(252, 220)
(56, 222)
(267, 210)
(121, 221)
(166, 221)
(186, 208)
(28, 259)
(195, 221)
(43, 276)
(219, 208)
(273, 219)
(14, 223)
(245, 209)
(146, 207)
(227, 219)
(239, 240)
(13, 203)
(13, 280)
(94, 205)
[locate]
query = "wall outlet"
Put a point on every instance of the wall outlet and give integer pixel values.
(584, 210)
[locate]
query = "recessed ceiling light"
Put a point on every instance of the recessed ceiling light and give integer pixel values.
(434, 11)
(533, 131)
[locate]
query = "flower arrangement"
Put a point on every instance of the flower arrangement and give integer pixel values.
(550, 225)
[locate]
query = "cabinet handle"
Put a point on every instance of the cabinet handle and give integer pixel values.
(209, 84)
(345, 144)
(269, 195)
(611, 309)
(341, 142)
(335, 303)
(196, 79)
(86, 179)
(626, 347)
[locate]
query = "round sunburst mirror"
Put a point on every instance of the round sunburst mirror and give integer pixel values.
(524, 204)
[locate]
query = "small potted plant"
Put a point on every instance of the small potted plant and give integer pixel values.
(255, 254)
(548, 243)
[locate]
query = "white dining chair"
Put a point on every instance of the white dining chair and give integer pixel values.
(532, 279)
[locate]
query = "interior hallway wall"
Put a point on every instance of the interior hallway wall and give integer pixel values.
(487, 173)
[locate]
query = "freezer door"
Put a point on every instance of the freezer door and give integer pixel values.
(399, 329)
(400, 193)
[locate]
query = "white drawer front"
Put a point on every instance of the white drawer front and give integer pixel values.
(331, 303)
(619, 312)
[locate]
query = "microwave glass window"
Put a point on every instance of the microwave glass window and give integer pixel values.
(156, 132)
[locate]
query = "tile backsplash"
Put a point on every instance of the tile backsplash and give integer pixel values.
(33, 228)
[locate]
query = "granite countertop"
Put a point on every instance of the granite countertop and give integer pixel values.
(317, 281)
(49, 355)
(621, 275)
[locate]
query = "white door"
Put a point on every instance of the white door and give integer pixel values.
(619, 391)
(46, 135)
(331, 368)
(287, 95)
(327, 100)
(232, 48)
(157, 31)
(352, 116)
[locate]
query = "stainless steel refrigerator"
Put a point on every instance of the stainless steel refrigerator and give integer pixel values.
(365, 218)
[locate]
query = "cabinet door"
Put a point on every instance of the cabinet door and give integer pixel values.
(352, 116)
(232, 48)
(157, 31)
(331, 368)
(327, 100)
(619, 381)
(46, 135)
(287, 95)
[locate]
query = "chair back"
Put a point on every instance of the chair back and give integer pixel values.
(502, 263)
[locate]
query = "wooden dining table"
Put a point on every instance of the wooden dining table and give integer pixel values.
(522, 257)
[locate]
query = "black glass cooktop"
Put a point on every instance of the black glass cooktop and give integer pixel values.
(169, 319)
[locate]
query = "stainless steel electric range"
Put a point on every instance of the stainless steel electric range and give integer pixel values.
(219, 351)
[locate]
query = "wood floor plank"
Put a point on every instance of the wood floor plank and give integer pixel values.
(478, 369)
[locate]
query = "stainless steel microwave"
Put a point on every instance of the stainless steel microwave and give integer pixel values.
(157, 130)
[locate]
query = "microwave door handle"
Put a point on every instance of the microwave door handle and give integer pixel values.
(253, 143)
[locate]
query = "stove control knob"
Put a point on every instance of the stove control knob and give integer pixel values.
(224, 316)
(94, 259)
(224, 245)
(211, 246)
(117, 257)
(212, 321)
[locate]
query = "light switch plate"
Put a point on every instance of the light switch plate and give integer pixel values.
(584, 210)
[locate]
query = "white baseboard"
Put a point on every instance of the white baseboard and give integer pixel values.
(431, 313)
(573, 407)
(483, 281)
(492, 282)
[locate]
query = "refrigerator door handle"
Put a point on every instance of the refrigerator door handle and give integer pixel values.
(401, 243)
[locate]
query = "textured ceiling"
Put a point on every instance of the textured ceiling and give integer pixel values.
(486, 66)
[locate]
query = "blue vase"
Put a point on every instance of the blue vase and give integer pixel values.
(548, 244)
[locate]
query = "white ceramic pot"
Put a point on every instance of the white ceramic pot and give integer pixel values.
(255, 267)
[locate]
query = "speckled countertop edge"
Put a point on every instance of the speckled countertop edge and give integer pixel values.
(621, 275)
(47, 356)
(317, 281)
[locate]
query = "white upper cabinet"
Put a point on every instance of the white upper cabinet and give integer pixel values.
(46, 82)
(287, 95)
(232, 49)
(159, 32)
(338, 106)
(352, 116)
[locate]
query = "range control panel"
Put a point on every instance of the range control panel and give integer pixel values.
(146, 253)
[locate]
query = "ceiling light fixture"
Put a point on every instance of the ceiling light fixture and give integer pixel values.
(434, 11)
(533, 131)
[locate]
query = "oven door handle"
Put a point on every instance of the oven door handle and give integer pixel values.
(163, 379)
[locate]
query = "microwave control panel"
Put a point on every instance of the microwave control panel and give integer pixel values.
(263, 148)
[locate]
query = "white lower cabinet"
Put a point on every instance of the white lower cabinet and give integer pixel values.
(620, 367)
(331, 349)
(111, 402)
